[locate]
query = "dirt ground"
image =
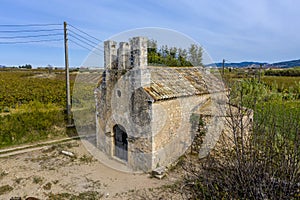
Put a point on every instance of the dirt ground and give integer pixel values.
(48, 174)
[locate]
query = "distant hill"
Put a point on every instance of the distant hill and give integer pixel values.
(286, 64)
(240, 64)
(283, 64)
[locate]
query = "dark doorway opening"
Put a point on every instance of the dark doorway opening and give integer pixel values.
(121, 143)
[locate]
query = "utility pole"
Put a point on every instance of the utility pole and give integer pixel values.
(259, 73)
(223, 69)
(67, 73)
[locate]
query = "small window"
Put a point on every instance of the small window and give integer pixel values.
(119, 93)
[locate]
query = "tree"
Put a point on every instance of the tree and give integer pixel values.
(182, 57)
(50, 68)
(167, 56)
(154, 56)
(195, 55)
(27, 66)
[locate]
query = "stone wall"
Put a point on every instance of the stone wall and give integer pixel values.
(172, 127)
(120, 100)
(159, 132)
(126, 55)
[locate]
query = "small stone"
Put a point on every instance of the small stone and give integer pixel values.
(159, 172)
(68, 153)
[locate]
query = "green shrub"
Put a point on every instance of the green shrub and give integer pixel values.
(30, 126)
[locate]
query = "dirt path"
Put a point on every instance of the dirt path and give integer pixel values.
(32, 147)
(45, 171)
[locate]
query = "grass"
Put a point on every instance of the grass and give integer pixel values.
(32, 105)
(20, 128)
(283, 83)
(21, 87)
(47, 186)
(5, 189)
(2, 174)
(88, 195)
(86, 159)
(37, 179)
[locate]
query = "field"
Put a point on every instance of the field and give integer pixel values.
(32, 102)
(32, 109)
(31, 106)
(283, 83)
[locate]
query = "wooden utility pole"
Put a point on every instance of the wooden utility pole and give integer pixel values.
(223, 69)
(68, 94)
(259, 73)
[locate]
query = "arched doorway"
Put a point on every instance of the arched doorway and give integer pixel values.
(121, 143)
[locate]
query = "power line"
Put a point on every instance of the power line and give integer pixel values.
(83, 37)
(79, 37)
(22, 25)
(31, 31)
(85, 42)
(31, 41)
(84, 47)
(30, 36)
(85, 33)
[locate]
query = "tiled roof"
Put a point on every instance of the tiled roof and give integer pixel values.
(171, 82)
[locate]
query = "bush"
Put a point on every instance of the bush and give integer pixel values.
(264, 165)
(31, 125)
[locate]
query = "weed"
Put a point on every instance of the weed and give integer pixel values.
(72, 144)
(171, 187)
(18, 180)
(5, 189)
(61, 196)
(88, 195)
(86, 159)
(47, 186)
(37, 179)
(3, 173)
(50, 149)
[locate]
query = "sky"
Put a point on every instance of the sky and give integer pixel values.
(247, 30)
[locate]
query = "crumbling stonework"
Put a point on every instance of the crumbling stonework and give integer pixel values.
(150, 107)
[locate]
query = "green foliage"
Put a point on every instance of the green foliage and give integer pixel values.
(32, 106)
(86, 159)
(270, 153)
(278, 112)
(195, 55)
(37, 180)
(279, 120)
(21, 87)
(27, 66)
(30, 125)
(283, 72)
(283, 83)
(173, 56)
(87, 195)
(249, 92)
